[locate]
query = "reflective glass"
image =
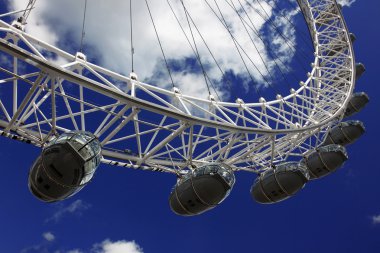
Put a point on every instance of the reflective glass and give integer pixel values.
(88, 147)
(333, 148)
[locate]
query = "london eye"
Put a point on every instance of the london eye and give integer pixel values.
(185, 119)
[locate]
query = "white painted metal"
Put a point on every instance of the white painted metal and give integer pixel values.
(171, 131)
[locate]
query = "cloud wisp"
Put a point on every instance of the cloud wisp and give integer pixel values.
(107, 246)
(48, 236)
(44, 246)
(376, 219)
(5, 62)
(347, 3)
(75, 251)
(75, 208)
(122, 246)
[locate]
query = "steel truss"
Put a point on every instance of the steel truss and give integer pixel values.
(142, 126)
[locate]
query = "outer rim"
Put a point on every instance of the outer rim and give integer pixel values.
(312, 11)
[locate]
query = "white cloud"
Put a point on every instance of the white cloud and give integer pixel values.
(34, 249)
(75, 251)
(77, 207)
(42, 247)
(346, 2)
(376, 219)
(108, 246)
(5, 61)
(107, 37)
(48, 236)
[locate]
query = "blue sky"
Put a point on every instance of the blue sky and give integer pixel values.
(334, 214)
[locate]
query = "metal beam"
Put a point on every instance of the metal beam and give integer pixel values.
(163, 143)
(25, 101)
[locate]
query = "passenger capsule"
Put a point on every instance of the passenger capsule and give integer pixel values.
(278, 184)
(65, 166)
(325, 160)
(345, 133)
(202, 189)
(357, 102)
(352, 37)
(360, 69)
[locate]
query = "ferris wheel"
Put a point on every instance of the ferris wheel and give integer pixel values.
(82, 114)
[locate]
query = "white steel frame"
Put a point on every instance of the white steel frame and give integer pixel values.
(190, 131)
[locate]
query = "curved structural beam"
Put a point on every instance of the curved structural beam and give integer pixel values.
(143, 125)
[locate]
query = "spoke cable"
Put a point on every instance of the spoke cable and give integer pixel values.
(272, 53)
(131, 28)
(83, 27)
(27, 11)
(228, 81)
(237, 45)
(197, 52)
(159, 42)
(285, 38)
(290, 46)
(304, 36)
(196, 48)
(277, 29)
(255, 46)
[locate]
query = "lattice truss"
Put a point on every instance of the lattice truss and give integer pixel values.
(46, 91)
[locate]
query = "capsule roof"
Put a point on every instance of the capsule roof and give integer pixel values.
(352, 37)
(357, 102)
(360, 69)
(334, 148)
(356, 123)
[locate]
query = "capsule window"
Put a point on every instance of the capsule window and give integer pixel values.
(54, 169)
(40, 180)
(47, 187)
(51, 151)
